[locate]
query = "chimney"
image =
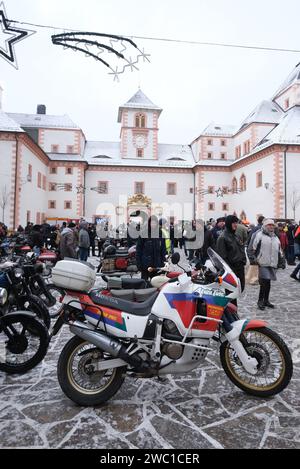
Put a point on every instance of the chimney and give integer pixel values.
(41, 109)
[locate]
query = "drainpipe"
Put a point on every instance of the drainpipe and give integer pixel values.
(16, 188)
(194, 199)
(285, 183)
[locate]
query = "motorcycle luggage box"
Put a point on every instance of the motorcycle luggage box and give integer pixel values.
(74, 275)
(114, 283)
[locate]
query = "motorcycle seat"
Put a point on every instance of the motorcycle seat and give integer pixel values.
(134, 295)
(138, 309)
(135, 283)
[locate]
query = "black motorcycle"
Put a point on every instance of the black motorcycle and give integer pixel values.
(24, 338)
(19, 294)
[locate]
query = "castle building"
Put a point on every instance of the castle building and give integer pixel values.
(50, 171)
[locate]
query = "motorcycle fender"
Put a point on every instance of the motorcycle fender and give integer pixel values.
(254, 323)
(28, 314)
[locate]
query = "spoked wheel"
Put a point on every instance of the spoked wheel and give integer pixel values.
(55, 305)
(275, 367)
(79, 377)
(23, 342)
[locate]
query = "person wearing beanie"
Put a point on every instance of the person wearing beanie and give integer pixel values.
(218, 228)
(231, 249)
(150, 247)
(265, 250)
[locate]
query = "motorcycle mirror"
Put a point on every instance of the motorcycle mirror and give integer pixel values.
(175, 258)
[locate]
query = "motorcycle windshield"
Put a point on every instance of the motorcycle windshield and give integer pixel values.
(217, 261)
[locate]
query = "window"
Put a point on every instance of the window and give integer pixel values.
(191, 190)
(29, 175)
(53, 170)
(225, 190)
(68, 187)
(209, 142)
(54, 148)
(209, 155)
(246, 147)
(39, 181)
(223, 156)
(238, 151)
(70, 148)
(38, 218)
(223, 143)
(243, 185)
(225, 207)
(211, 206)
(140, 120)
(28, 216)
(44, 183)
(102, 187)
(287, 103)
(52, 186)
(69, 170)
(52, 204)
(234, 185)
(259, 179)
(139, 187)
(68, 204)
(140, 152)
(171, 188)
(211, 189)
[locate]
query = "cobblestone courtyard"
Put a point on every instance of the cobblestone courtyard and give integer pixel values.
(200, 410)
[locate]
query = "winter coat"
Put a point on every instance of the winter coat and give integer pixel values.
(67, 244)
(231, 249)
(84, 239)
(36, 239)
(283, 240)
(150, 252)
(242, 233)
(266, 249)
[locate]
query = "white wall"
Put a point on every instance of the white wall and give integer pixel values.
(293, 183)
(58, 137)
(6, 151)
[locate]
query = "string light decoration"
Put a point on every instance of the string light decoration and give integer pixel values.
(14, 35)
(89, 43)
(220, 192)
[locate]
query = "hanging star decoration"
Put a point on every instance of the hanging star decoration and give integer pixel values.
(9, 37)
(219, 192)
(95, 44)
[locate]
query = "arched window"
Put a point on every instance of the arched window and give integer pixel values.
(243, 184)
(243, 215)
(140, 120)
(234, 185)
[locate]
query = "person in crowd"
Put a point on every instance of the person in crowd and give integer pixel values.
(150, 248)
(295, 273)
(28, 227)
(36, 239)
(190, 238)
(92, 235)
(265, 250)
(290, 248)
(165, 234)
(242, 232)
(84, 242)
(172, 236)
(45, 230)
(231, 249)
(283, 238)
(67, 244)
(218, 228)
(180, 236)
(297, 241)
(209, 242)
(20, 229)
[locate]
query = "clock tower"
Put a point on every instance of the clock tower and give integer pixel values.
(139, 128)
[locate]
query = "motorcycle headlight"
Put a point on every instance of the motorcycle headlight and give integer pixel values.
(3, 296)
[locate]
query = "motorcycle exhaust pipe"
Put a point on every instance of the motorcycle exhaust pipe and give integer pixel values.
(108, 344)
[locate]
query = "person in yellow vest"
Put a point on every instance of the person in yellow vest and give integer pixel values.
(165, 234)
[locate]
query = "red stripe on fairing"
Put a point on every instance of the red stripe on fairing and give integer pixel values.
(230, 279)
(254, 323)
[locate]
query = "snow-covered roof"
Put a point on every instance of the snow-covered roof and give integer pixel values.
(219, 130)
(43, 120)
(138, 101)
(109, 153)
(293, 77)
(287, 131)
(266, 112)
(64, 157)
(7, 124)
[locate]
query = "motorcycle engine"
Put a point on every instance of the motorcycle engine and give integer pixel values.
(173, 351)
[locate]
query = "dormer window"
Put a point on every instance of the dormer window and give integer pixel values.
(140, 120)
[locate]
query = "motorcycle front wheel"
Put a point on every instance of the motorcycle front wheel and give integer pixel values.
(78, 375)
(23, 342)
(275, 366)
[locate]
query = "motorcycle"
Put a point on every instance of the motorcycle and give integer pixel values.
(168, 332)
(117, 260)
(23, 338)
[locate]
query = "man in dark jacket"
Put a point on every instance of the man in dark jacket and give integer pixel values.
(150, 248)
(219, 228)
(68, 242)
(231, 249)
(36, 239)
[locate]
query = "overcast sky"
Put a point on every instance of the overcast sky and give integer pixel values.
(193, 84)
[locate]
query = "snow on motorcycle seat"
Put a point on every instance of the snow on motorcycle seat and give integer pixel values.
(138, 309)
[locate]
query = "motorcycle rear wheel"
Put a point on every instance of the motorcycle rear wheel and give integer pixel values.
(28, 338)
(275, 366)
(80, 381)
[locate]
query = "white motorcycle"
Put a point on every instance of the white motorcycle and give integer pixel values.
(161, 331)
